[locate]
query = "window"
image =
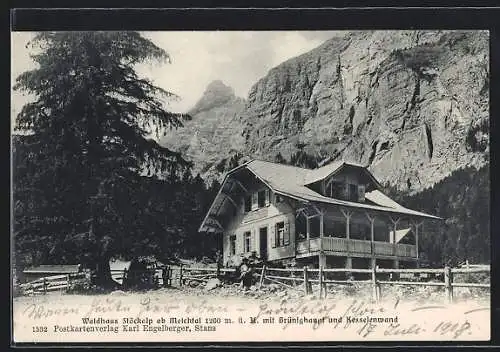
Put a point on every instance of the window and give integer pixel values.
(280, 234)
(282, 237)
(247, 237)
(232, 244)
(279, 199)
(361, 193)
(248, 203)
(261, 199)
(353, 192)
(336, 189)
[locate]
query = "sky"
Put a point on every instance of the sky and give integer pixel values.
(238, 58)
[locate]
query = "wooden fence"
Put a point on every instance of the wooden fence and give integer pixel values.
(306, 278)
(376, 277)
(52, 283)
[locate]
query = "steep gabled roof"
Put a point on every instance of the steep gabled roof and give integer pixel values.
(331, 169)
(323, 172)
(291, 181)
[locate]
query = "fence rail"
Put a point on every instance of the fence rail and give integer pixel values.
(297, 278)
(53, 283)
(444, 275)
(304, 278)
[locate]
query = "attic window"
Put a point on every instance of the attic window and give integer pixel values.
(353, 192)
(335, 189)
(261, 199)
(248, 203)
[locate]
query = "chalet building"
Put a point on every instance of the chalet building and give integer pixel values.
(334, 216)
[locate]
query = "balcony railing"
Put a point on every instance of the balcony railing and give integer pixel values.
(336, 244)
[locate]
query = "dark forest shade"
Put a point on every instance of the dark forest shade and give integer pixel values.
(463, 199)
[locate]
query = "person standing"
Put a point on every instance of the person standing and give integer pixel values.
(245, 274)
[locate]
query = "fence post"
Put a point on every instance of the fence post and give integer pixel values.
(306, 281)
(467, 266)
(44, 285)
(375, 285)
(324, 284)
(180, 275)
(124, 277)
(263, 272)
(448, 279)
(218, 269)
(320, 277)
(68, 286)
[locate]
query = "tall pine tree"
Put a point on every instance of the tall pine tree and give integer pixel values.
(76, 191)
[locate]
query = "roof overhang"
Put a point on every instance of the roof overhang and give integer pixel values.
(309, 198)
(220, 194)
(342, 167)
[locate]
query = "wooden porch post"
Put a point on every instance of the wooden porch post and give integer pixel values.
(416, 240)
(417, 225)
(321, 231)
(347, 229)
(347, 214)
(321, 224)
(322, 260)
(348, 262)
(372, 235)
(395, 223)
(308, 238)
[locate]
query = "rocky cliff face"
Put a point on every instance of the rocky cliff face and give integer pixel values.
(213, 134)
(413, 105)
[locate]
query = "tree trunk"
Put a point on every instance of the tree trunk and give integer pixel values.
(103, 274)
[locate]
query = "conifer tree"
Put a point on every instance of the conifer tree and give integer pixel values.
(90, 129)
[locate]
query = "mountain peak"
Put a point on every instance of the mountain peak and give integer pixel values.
(216, 94)
(217, 86)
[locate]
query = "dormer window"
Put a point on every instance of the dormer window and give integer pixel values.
(261, 198)
(336, 189)
(248, 203)
(255, 200)
(353, 193)
(339, 189)
(361, 193)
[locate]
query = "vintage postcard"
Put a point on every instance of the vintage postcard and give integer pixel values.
(211, 186)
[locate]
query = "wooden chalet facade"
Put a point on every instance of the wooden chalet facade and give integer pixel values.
(334, 216)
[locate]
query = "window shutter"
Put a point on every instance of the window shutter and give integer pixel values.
(361, 193)
(272, 233)
(286, 234)
(267, 197)
(255, 199)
